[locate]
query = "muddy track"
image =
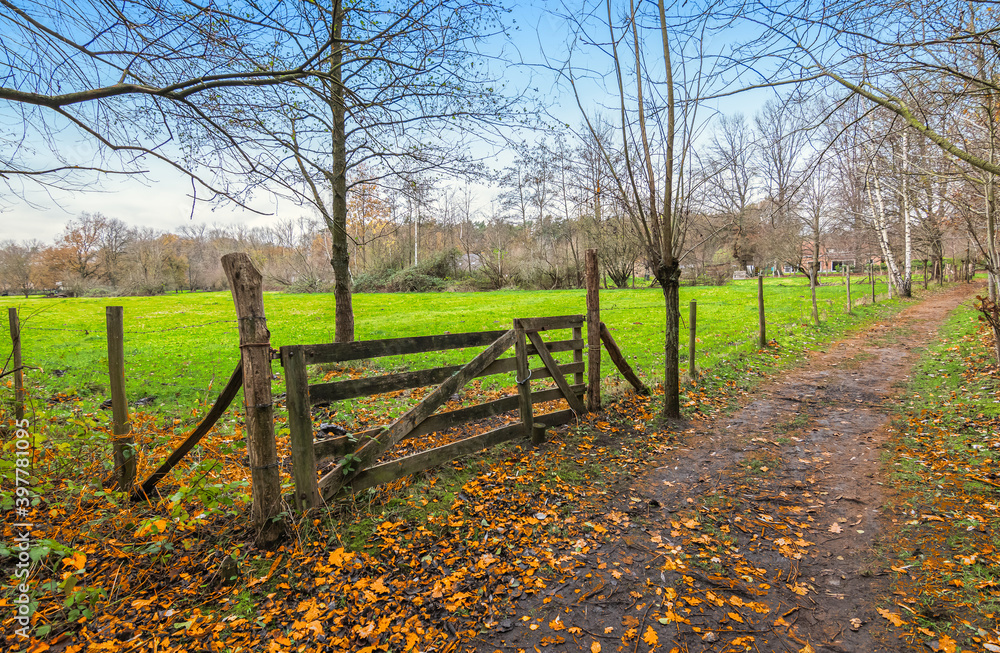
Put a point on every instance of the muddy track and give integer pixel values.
(760, 531)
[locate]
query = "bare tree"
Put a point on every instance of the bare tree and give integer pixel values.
(16, 262)
(406, 88)
(100, 89)
(656, 114)
(733, 181)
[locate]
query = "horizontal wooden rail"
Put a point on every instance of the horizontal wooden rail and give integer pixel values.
(339, 446)
(322, 393)
(395, 469)
(548, 323)
(339, 352)
(418, 462)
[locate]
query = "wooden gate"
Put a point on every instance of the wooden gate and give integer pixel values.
(356, 454)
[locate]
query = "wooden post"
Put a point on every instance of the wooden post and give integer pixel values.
(850, 306)
(246, 285)
(693, 323)
(523, 379)
(124, 443)
(760, 311)
(578, 355)
(925, 274)
(873, 281)
(300, 428)
(15, 339)
(538, 434)
(593, 333)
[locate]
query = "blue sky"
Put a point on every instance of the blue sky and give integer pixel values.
(161, 199)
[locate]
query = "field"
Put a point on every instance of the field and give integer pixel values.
(102, 564)
(180, 349)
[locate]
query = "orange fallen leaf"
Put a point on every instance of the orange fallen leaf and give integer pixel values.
(893, 618)
(650, 636)
(947, 644)
(595, 647)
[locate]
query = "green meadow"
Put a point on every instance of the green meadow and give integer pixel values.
(181, 348)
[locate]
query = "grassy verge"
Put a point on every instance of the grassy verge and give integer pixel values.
(944, 555)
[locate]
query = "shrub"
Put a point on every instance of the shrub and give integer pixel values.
(411, 280)
(373, 280)
(308, 284)
(441, 266)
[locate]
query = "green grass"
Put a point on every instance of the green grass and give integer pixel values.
(181, 348)
(945, 437)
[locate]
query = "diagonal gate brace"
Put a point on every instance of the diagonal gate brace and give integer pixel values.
(347, 469)
(557, 375)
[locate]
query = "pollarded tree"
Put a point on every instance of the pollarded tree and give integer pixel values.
(658, 66)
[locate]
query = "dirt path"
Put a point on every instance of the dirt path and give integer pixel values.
(760, 531)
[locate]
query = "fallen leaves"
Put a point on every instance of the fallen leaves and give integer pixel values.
(893, 618)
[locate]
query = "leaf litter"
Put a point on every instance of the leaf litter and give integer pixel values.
(753, 531)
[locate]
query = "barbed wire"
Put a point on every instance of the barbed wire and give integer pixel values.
(185, 326)
(130, 332)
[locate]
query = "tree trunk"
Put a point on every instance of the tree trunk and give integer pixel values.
(340, 254)
(670, 282)
(814, 268)
(880, 221)
(906, 287)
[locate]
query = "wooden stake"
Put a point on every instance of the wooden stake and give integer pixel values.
(523, 379)
(300, 428)
(873, 282)
(15, 338)
(246, 285)
(616, 356)
(124, 443)
(593, 333)
(538, 434)
(760, 311)
(850, 306)
(218, 410)
(693, 325)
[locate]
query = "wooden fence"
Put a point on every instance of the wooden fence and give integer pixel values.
(356, 455)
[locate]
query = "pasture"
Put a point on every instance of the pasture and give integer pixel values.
(181, 348)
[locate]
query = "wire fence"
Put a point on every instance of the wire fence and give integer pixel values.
(173, 365)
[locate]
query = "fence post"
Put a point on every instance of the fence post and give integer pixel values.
(693, 322)
(300, 428)
(760, 310)
(849, 305)
(124, 443)
(246, 285)
(538, 434)
(523, 378)
(593, 333)
(15, 339)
